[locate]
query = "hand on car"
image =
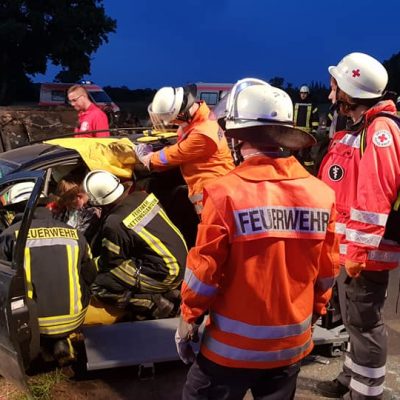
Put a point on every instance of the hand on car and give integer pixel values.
(144, 152)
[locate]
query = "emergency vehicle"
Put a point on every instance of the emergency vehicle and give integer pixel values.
(55, 94)
(212, 93)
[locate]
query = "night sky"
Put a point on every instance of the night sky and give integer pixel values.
(162, 43)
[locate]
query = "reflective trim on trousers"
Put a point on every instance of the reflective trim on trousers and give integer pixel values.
(368, 372)
(259, 331)
(324, 284)
(364, 389)
(369, 239)
(368, 217)
(238, 354)
(340, 228)
(197, 285)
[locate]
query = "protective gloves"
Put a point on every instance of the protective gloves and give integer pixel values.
(353, 268)
(144, 152)
(185, 334)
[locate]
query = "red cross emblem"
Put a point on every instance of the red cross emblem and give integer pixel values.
(382, 138)
(356, 72)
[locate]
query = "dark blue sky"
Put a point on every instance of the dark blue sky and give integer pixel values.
(161, 43)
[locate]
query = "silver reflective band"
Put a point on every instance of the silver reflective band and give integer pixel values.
(324, 284)
(351, 140)
(343, 249)
(281, 219)
(368, 217)
(50, 242)
(197, 286)
(340, 228)
(259, 331)
(366, 390)
(196, 197)
(364, 238)
(368, 372)
(383, 256)
(238, 354)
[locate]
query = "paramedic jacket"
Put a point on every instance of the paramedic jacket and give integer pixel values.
(59, 271)
(141, 247)
(366, 188)
(265, 260)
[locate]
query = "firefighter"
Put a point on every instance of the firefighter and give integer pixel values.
(265, 258)
(363, 166)
(59, 271)
(90, 117)
(142, 254)
(202, 151)
(306, 117)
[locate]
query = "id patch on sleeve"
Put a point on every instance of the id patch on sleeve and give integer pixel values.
(382, 138)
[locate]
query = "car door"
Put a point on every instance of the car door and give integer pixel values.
(19, 329)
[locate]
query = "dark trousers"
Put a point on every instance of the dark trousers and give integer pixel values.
(361, 303)
(209, 381)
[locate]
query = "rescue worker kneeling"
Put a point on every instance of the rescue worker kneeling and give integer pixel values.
(142, 253)
(59, 271)
(265, 259)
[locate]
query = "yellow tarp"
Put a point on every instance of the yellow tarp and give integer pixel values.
(114, 155)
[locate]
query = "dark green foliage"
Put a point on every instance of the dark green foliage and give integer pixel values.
(33, 32)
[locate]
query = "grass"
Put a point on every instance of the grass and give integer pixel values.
(41, 387)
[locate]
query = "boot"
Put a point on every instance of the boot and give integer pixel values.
(332, 389)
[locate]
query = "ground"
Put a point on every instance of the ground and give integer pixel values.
(124, 383)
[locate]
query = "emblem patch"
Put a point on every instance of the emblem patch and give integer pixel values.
(84, 126)
(335, 173)
(382, 138)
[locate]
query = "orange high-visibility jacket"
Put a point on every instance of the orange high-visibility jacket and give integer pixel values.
(265, 260)
(202, 153)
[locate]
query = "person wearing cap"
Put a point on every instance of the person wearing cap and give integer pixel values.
(201, 152)
(363, 167)
(90, 117)
(265, 259)
(142, 255)
(59, 271)
(306, 117)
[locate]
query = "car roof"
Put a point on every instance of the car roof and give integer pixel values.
(27, 157)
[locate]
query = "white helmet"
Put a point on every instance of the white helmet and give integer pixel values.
(102, 187)
(169, 102)
(360, 76)
(260, 113)
(304, 89)
(20, 192)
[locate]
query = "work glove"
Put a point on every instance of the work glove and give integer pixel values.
(353, 268)
(186, 333)
(144, 152)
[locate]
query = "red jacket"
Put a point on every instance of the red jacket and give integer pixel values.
(366, 188)
(92, 119)
(265, 259)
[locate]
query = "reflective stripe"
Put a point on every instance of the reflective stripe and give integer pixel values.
(343, 249)
(364, 238)
(238, 354)
(28, 272)
(109, 245)
(198, 208)
(163, 157)
(383, 256)
(74, 287)
(368, 217)
(364, 389)
(324, 284)
(368, 372)
(50, 242)
(259, 331)
(197, 285)
(351, 140)
(196, 197)
(340, 228)
(58, 325)
(172, 226)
